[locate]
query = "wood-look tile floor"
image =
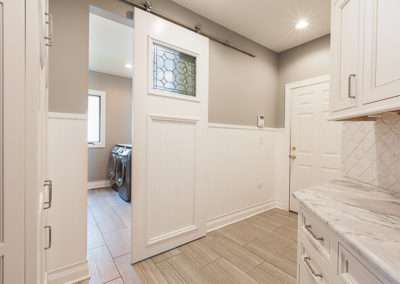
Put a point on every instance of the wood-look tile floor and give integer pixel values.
(260, 249)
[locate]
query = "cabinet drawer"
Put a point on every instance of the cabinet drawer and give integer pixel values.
(311, 268)
(352, 271)
(319, 237)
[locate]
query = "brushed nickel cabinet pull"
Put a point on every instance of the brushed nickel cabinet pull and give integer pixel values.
(49, 185)
(49, 37)
(349, 86)
(50, 233)
(307, 261)
(308, 228)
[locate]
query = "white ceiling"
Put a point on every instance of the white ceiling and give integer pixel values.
(267, 22)
(110, 46)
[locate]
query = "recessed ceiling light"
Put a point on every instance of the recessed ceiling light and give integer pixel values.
(128, 65)
(301, 24)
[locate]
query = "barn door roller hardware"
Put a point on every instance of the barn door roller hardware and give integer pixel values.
(147, 6)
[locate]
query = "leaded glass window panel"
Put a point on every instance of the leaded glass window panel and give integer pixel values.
(173, 71)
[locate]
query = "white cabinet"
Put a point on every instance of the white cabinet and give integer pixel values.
(382, 46)
(323, 257)
(346, 45)
(365, 44)
(352, 271)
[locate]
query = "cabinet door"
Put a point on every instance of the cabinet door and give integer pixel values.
(382, 46)
(352, 271)
(346, 46)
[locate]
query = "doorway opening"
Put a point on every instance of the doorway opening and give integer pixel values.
(109, 134)
(170, 122)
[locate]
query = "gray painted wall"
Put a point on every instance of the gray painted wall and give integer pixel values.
(68, 57)
(308, 60)
(118, 119)
(240, 86)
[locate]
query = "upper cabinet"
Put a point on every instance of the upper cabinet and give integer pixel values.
(365, 45)
(382, 50)
(346, 42)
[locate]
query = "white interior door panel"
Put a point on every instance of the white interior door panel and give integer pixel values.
(315, 141)
(170, 103)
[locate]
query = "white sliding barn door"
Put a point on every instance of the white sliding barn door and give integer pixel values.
(315, 141)
(170, 118)
(12, 132)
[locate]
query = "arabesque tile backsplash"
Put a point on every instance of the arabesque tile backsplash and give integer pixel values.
(371, 151)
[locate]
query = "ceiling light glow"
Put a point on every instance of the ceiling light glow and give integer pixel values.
(302, 24)
(128, 65)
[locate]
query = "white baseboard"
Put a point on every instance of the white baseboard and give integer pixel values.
(99, 184)
(70, 274)
(238, 215)
(282, 205)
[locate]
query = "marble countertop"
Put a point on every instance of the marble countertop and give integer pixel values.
(365, 217)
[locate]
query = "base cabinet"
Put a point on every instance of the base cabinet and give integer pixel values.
(323, 257)
(351, 270)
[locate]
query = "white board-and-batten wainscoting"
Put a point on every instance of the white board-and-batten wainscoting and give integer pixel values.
(243, 165)
(66, 260)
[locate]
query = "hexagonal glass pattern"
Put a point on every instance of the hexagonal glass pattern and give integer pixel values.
(173, 71)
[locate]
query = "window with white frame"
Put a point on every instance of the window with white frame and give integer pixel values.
(96, 130)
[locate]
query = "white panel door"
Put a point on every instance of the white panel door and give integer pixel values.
(170, 103)
(315, 141)
(346, 53)
(382, 45)
(12, 126)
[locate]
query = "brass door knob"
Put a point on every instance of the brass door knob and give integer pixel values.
(293, 156)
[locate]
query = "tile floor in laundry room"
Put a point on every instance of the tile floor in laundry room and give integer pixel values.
(260, 249)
